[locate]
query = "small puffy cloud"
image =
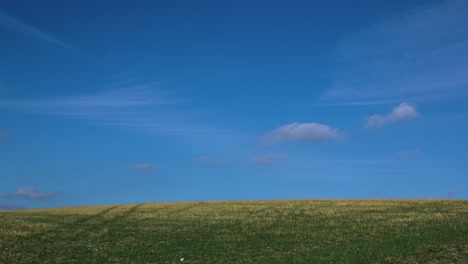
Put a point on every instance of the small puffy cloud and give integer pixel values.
(213, 160)
(143, 167)
(408, 154)
(29, 193)
(3, 135)
(269, 159)
(10, 206)
(313, 132)
(404, 111)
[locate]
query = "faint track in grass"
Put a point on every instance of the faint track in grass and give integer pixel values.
(87, 233)
(80, 221)
(101, 222)
(184, 209)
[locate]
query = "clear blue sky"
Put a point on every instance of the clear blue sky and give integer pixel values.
(109, 102)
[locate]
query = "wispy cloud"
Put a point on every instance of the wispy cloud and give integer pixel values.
(450, 194)
(3, 135)
(124, 106)
(138, 107)
(29, 193)
(10, 206)
(408, 154)
(312, 132)
(213, 160)
(137, 95)
(143, 167)
(401, 112)
(10, 23)
(269, 159)
(422, 55)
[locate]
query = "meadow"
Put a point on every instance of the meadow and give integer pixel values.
(294, 231)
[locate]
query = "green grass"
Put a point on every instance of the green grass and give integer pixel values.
(315, 231)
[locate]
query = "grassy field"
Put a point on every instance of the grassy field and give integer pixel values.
(314, 231)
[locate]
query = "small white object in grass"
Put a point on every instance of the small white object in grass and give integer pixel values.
(182, 259)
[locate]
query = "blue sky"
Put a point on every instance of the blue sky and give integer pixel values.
(124, 102)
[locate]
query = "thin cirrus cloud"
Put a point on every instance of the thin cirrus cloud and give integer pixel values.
(12, 24)
(402, 112)
(10, 206)
(29, 193)
(137, 95)
(138, 107)
(418, 56)
(213, 160)
(143, 167)
(408, 154)
(312, 132)
(269, 159)
(116, 106)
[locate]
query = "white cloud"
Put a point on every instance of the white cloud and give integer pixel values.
(213, 160)
(401, 112)
(269, 159)
(27, 193)
(3, 135)
(143, 167)
(419, 55)
(313, 132)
